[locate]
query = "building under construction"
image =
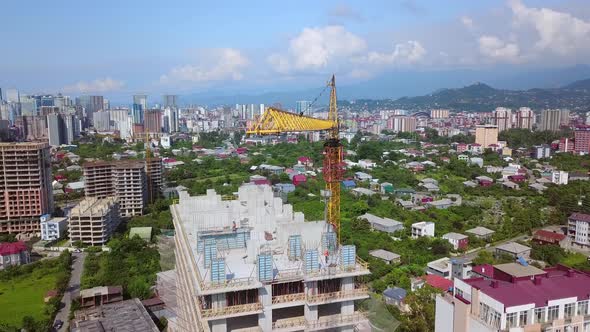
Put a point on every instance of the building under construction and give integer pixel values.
(25, 186)
(132, 182)
(252, 264)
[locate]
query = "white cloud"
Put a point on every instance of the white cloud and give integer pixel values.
(467, 22)
(403, 53)
(99, 85)
(497, 49)
(215, 65)
(559, 32)
(316, 48)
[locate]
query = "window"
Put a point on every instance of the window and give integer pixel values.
(569, 310)
(495, 319)
(484, 311)
(459, 293)
(582, 308)
(552, 313)
(511, 320)
(524, 318)
(539, 315)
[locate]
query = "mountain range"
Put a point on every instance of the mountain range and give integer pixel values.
(541, 88)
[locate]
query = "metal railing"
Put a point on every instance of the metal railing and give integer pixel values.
(289, 322)
(288, 298)
(234, 309)
(363, 290)
(360, 266)
(336, 320)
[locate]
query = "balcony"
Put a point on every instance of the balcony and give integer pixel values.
(208, 287)
(288, 298)
(289, 324)
(334, 321)
(232, 311)
(360, 268)
(353, 294)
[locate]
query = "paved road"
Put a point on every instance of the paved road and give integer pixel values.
(72, 290)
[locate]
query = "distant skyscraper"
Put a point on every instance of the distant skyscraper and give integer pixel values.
(582, 140)
(553, 119)
(72, 129)
(102, 121)
(56, 129)
(12, 96)
(153, 121)
(139, 108)
(171, 119)
(169, 101)
(524, 118)
(91, 104)
(1, 99)
(502, 118)
(303, 107)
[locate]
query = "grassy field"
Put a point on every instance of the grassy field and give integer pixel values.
(576, 260)
(23, 296)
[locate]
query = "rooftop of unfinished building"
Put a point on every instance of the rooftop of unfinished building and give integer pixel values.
(23, 145)
(92, 206)
(269, 222)
(116, 163)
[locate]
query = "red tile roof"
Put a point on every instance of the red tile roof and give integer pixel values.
(437, 281)
(548, 236)
(484, 270)
(11, 248)
(580, 217)
(558, 283)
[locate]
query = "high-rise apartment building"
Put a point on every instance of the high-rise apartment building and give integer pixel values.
(56, 129)
(94, 220)
(127, 180)
(525, 118)
(121, 121)
(303, 107)
(582, 140)
(486, 135)
(101, 120)
(553, 119)
(12, 96)
(439, 114)
(502, 118)
(153, 121)
(400, 123)
(25, 194)
(139, 108)
(169, 101)
(91, 104)
(170, 120)
(253, 263)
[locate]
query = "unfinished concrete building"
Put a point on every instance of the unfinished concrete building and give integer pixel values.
(25, 186)
(127, 180)
(253, 264)
(94, 220)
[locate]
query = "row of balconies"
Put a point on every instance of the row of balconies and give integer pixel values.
(322, 298)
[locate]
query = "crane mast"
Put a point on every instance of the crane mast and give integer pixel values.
(276, 121)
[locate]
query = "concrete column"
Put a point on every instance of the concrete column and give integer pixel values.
(347, 284)
(311, 288)
(218, 301)
(265, 298)
(347, 307)
(311, 312)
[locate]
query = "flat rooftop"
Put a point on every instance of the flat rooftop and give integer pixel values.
(558, 283)
(518, 270)
(127, 316)
(92, 206)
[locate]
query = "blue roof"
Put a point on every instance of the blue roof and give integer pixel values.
(395, 293)
(349, 183)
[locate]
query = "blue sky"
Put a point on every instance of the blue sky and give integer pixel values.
(125, 47)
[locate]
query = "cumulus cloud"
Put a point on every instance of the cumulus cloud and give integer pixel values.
(499, 50)
(316, 48)
(403, 53)
(99, 85)
(559, 32)
(214, 65)
(467, 22)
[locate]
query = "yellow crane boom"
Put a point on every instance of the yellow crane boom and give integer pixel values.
(276, 121)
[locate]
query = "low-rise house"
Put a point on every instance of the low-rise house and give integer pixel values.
(469, 184)
(559, 177)
(13, 254)
(440, 267)
(481, 232)
(485, 271)
(395, 296)
(299, 179)
(366, 163)
(476, 161)
(362, 176)
(436, 281)
(53, 228)
(423, 228)
(513, 249)
(548, 237)
(284, 188)
(578, 176)
(538, 187)
(382, 224)
(509, 185)
(458, 241)
(128, 315)
(348, 184)
(463, 157)
(97, 296)
(358, 192)
(75, 186)
(408, 205)
(386, 188)
(278, 170)
(431, 187)
(430, 180)
(145, 233)
(386, 256)
(517, 178)
(441, 204)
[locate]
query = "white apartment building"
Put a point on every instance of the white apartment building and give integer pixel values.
(579, 229)
(53, 228)
(93, 220)
(252, 264)
(518, 298)
(560, 177)
(423, 228)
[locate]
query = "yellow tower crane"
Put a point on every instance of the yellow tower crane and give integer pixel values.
(276, 121)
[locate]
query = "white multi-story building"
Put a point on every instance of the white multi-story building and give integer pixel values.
(253, 264)
(93, 220)
(423, 228)
(502, 118)
(53, 228)
(560, 177)
(579, 229)
(517, 298)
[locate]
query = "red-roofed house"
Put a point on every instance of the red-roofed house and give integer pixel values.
(547, 237)
(438, 282)
(13, 253)
(305, 161)
(553, 299)
(299, 179)
(483, 271)
(517, 178)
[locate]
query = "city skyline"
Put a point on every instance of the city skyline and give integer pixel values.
(122, 52)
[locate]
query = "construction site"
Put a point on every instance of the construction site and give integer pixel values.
(248, 262)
